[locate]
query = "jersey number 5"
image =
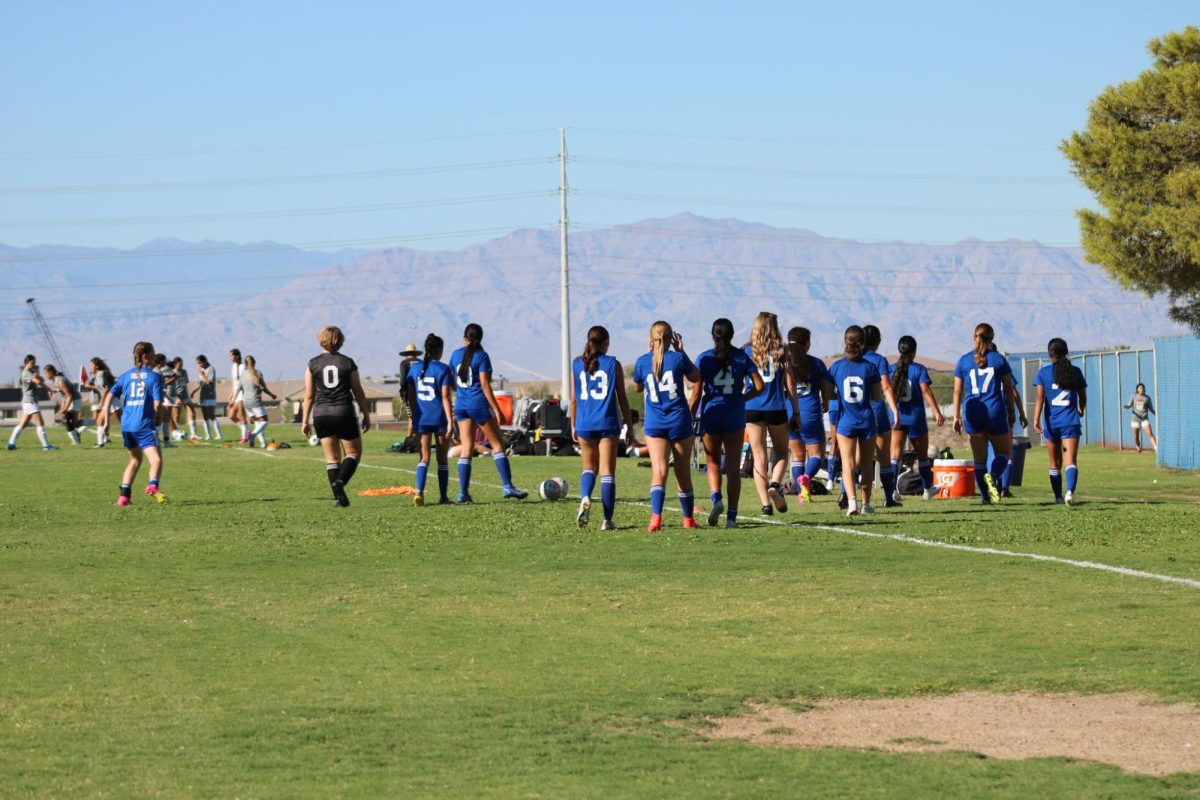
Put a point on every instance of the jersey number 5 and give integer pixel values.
(425, 390)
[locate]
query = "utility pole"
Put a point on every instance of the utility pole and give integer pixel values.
(564, 396)
(59, 360)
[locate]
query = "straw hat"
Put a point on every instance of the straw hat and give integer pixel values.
(411, 351)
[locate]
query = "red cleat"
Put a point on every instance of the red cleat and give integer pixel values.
(690, 522)
(123, 500)
(655, 523)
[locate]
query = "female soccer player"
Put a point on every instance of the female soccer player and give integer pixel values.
(1142, 407)
(253, 388)
(770, 411)
(431, 416)
(167, 374)
(598, 407)
(235, 407)
(31, 381)
(883, 425)
(183, 398)
(858, 383)
(983, 408)
(911, 387)
(69, 402)
(140, 391)
(476, 407)
(206, 378)
(331, 386)
(1062, 394)
(661, 374)
(721, 397)
(813, 388)
(101, 382)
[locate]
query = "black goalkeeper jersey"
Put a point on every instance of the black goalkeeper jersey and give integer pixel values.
(331, 378)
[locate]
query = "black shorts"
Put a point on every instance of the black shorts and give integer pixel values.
(339, 425)
(767, 417)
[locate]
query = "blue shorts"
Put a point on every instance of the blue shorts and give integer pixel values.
(861, 432)
(722, 424)
(978, 418)
(592, 436)
(1061, 434)
(140, 440)
(913, 427)
(425, 427)
(675, 434)
(883, 423)
(480, 416)
(812, 431)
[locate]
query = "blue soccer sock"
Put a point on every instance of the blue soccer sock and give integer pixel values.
(999, 464)
(812, 466)
(464, 476)
(422, 472)
(657, 495)
(687, 503)
(500, 459)
(608, 495)
(887, 477)
(443, 478)
(715, 497)
(1006, 477)
(925, 468)
(797, 471)
(1056, 482)
(1072, 474)
(980, 483)
(587, 483)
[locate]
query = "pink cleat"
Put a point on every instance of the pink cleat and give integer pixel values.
(154, 492)
(123, 500)
(655, 523)
(805, 489)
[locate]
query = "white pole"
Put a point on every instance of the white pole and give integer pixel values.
(566, 286)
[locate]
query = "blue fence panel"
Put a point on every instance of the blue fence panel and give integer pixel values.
(1177, 365)
(1128, 378)
(1093, 421)
(1110, 407)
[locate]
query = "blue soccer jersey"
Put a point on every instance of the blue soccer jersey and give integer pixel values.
(470, 391)
(596, 395)
(855, 380)
(426, 383)
(909, 400)
(137, 390)
(724, 386)
(773, 396)
(808, 392)
(666, 405)
(1061, 408)
(985, 409)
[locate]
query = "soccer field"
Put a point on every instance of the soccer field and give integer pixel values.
(247, 639)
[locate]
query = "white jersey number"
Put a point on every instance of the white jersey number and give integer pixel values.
(599, 392)
(768, 373)
(852, 390)
(666, 385)
(1062, 399)
(988, 373)
(425, 390)
(803, 389)
(464, 384)
(906, 393)
(724, 381)
(330, 376)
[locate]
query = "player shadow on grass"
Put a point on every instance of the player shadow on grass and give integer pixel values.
(226, 502)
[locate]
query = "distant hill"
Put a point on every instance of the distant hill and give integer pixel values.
(685, 269)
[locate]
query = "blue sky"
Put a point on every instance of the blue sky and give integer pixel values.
(925, 121)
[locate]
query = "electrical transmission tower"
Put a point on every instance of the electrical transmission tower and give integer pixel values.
(60, 361)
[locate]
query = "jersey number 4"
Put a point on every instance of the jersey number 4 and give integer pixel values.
(666, 385)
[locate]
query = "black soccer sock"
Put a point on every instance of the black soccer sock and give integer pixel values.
(331, 472)
(126, 490)
(349, 464)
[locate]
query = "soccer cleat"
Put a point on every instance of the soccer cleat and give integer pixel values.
(419, 500)
(513, 493)
(767, 510)
(993, 493)
(154, 492)
(1069, 498)
(339, 494)
(1006, 494)
(892, 503)
(608, 525)
(731, 523)
(714, 513)
(925, 495)
(1058, 501)
(243, 440)
(10, 446)
(50, 447)
(443, 501)
(463, 499)
(776, 496)
(690, 522)
(585, 512)
(867, 508)
(843, 502)
(805, 489)
(123, 500)
(655, 523)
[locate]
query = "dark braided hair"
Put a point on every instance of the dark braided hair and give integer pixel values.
(722, 335)
(474, 336)
(908, 349)
(1064, 371)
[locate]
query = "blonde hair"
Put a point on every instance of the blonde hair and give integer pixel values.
(766, 343)
(984, 334)
(662, 336)
(331, 338)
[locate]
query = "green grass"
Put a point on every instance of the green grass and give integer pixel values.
(249, 640)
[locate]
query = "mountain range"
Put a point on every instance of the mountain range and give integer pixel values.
(270, 300)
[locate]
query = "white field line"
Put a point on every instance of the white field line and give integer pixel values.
(896, 537)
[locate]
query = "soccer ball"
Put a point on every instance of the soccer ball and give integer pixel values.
(313, 440)
(177, 436)
(552, 489)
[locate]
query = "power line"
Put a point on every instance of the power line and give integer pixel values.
(774, 172)
(295, 212)
(816, 143)
(281, 180)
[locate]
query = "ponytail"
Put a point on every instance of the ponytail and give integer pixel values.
(597, 337)
(854, 342)
(984, 334)
(474, 336)
(722, 335)
(1064, 371)
(872, 338)
(661, 339)
(799, 340)
(433, 351)
(908, 349)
